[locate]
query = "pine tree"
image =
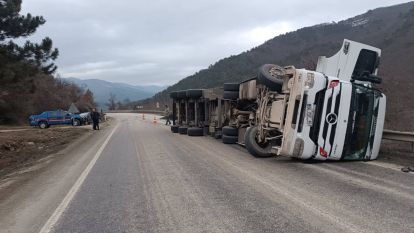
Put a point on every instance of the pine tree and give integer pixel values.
(13, 26)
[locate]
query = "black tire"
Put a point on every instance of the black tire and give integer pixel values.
(229, 139)
(231, 87)
(253, 147)
(231, 95)
(217, 134)
(173, 95)
(195, 131)
(43, 125)
(194, 93)
(230, 131)
(76, 122)
(181, 94)
(174, 128)
(271, 76)
(182, 129)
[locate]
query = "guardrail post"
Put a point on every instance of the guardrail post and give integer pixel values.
(195, 112)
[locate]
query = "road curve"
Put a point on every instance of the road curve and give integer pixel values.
(149, 180)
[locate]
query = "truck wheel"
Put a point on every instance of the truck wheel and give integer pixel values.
(231, 87)
(174, 128)
(173, 95)
(254, 148)
(195, 131)
(43, 125)
(75, 122)
(194, 93)
(230, 131)
(217, 134)
(181, 94)
(271, 76)
(231, 95)
(182, 129)
(229, 139)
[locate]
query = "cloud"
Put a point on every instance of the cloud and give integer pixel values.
(163, 41)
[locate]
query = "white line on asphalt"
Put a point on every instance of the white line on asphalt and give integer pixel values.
(69, 196)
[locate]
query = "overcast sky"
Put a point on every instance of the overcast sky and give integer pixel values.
(162, 41)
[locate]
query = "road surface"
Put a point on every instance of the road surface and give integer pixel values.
(136, 176)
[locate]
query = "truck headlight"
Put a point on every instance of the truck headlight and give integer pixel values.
(310, 80)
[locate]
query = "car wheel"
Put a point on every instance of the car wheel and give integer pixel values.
(230, 131)
(195, 131)
(229, 139)
(75, 122)
(271, 76)
(254, 148)
(43, 125)
(231, 95)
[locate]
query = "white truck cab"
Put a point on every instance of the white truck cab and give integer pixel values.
(332, 113)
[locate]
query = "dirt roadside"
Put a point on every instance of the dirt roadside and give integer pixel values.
(22, 149)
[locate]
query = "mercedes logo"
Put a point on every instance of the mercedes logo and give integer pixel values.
(331, 118)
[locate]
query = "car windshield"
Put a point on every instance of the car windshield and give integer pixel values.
(359, 123)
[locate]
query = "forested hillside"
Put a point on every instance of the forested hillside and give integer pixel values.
(27, 84)
(388, 28)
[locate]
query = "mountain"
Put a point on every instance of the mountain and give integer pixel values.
(101, 90)
(389, 28)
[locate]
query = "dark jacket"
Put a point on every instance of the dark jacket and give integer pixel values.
(95, 116)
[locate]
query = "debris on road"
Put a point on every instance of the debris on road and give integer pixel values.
(407, 169)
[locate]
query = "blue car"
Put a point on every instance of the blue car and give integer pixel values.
(58, 117)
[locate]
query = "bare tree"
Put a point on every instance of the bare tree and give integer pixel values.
(111, 101)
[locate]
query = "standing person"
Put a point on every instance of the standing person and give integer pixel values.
(167, 115)
(95, 119)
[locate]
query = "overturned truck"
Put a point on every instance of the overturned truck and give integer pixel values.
(333, 113)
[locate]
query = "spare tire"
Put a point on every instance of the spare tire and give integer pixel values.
(231, 87)
(230, 131)
(271, 76)
(181, 94)
(194, 93)
(173, 95)
(182, 129)
(174, 128)
(231, 95)
(195, 131)
(229, 139)
(255, 149)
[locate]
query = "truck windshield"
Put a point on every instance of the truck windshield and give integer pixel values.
(359, 123)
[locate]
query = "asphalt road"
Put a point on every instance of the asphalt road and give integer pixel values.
(136, 176)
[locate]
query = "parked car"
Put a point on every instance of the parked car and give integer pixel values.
(85, 118)
(57, 117)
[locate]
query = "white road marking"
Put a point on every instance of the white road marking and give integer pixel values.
(75, 188)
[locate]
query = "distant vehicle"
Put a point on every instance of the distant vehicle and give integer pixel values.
(85, 118)
(57, 117)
